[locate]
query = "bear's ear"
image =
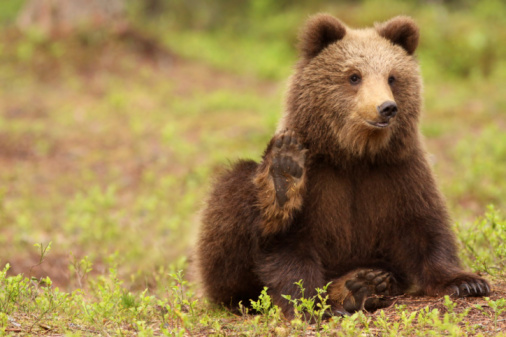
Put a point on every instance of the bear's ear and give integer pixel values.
(402, 31)
(320, 31)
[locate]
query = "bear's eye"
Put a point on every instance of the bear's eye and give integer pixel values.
(391, 80)
(355, 79)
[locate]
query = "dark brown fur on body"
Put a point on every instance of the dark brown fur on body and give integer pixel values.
(344, 192)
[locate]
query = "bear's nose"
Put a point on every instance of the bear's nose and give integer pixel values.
(388, 109)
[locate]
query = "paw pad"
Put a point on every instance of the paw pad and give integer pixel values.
(368, 290)
(287, 168)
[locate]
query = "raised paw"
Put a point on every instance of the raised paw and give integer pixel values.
(287, 168)
(469, 285)
(369, 290)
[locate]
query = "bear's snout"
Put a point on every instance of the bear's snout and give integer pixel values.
(387, 110)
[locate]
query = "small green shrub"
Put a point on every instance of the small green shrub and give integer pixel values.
(484, 243)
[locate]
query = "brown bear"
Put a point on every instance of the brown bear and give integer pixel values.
(344, 192)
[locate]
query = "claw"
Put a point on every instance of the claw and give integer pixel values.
(380, 278)
(353, 286)
(341, 312)
(370, 276)
(298, 171)
(480, 288)
(488, 288)
(466, 287)
(294, 139)
(381, 287)
(474, 288)
(456, 290)
(278, 142)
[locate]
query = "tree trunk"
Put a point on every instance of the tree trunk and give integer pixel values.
(60, 17)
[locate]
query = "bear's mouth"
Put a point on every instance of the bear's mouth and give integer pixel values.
(381, 125)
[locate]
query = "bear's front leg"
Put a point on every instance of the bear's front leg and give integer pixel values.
(438, 280)
(433, 265)
(280, 181)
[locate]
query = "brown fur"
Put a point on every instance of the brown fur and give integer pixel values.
(336, 195)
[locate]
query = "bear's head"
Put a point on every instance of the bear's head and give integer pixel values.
(356, 92)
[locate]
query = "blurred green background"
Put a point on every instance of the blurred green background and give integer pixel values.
(111, 131)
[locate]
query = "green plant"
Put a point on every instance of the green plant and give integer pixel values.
(264, 304)
(81, 268)
(387, 327)
(43, 251)
(180, 308)
(498, 307)
(310, 309)
(485, 243)
(270, 314)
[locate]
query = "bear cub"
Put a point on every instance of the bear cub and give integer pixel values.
(344, 192)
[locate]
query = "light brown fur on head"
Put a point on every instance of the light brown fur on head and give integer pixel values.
(321, 96)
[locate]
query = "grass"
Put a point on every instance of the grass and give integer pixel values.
(107, 154)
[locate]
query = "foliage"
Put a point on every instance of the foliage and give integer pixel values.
(485, 243)
(310, 309)
(481, 155)
(9, 9)
(33, 306)
(451, 43)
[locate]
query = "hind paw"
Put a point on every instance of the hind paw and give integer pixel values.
(369, 290)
